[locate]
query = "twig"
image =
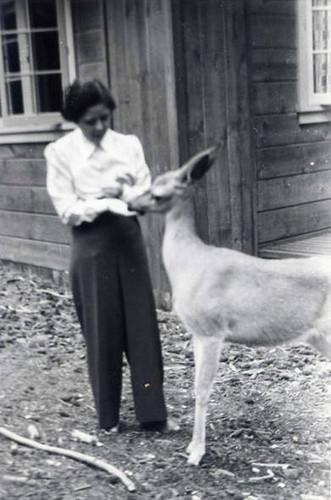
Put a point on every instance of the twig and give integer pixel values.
(262, 478)
(18, 479)
(54, 294)
(81, 488)
(81, 457)
(259, 464)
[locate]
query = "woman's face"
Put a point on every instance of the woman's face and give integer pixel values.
(95, 122)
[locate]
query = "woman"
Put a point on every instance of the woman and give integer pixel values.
(92, 172)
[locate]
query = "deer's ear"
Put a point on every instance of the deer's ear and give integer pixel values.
(198, 165)
(201, 167)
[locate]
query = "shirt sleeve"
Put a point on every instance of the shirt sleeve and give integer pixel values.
(71, 209)
(142, 180)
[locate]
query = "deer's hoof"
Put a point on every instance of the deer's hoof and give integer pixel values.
(196, 452)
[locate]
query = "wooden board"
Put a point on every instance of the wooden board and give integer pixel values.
(293, 159)
(38, 253)
(294, 190)
(273, 32)
(274, 65)
(239, 127)
(23, 172)
(292, 221)
(274, 98)
(29, 150)
(119, 70)
(282, 130)
(273, 7)
(90, 44)
(211, 84)
(195, 120)
(90, 41)
(319, 244)
(47, 228)
(25, 199)
(87, 15)
(142, 79)
(97, 69)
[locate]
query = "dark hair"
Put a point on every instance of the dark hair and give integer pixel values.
(79, 96)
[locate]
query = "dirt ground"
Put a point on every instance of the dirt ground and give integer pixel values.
(268, 432)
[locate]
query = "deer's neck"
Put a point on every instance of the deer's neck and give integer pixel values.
(180, 240)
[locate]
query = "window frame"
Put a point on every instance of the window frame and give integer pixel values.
(37, 122)
(312, 107)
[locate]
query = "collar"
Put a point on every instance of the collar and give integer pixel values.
(87, 148)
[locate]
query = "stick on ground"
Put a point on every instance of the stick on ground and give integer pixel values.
(81, 457)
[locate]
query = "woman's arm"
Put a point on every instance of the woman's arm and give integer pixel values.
(72, 210)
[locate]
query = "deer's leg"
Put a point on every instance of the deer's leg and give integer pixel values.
(320, 336)
(319, 341)
(206, 354)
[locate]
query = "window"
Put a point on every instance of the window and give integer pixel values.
(36, 56)
(314, 47)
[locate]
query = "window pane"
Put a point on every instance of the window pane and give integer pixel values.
(322, 30)
(49, 93)
(321, 3)
(42, 13)
(8, 15)
(11, 59)
(322, 73)
(45, 48)
(15, 97)
(32, 56)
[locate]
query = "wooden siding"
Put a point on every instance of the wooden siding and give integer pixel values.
(212, 103)
(293, 162)
(135, 39)
(90, 39)
(187, 74)
(30, 231)
(178, 71)
(142, 79)
(316, 244)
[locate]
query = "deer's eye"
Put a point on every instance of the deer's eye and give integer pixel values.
(157, 198)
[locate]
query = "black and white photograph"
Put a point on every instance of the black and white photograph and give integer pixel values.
(165, 249)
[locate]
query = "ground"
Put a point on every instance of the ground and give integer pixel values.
(268, 426)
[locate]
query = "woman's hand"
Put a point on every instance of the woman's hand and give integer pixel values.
(125, 178)
(113, 191)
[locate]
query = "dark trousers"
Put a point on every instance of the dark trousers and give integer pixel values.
(115, 306)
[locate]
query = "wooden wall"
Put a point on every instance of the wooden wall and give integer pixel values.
(142, 80)
(178, 71)
(90, 39)
(134, 39)
(187, 74)
(212, 104)
(30, 231)
(293, 162)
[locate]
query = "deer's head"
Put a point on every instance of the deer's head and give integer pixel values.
(168, 188)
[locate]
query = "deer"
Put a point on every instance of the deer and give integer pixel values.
(224, 295)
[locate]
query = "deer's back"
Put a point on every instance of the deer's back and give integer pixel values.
(252, 300)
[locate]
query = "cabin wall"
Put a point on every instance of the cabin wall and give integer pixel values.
(213, 108)
(140, 50)
(178, 71)
(30, 230)
(128, 45)
(293, 162)
(90, 39)
(186, 76)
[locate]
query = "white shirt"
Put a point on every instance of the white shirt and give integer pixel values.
(78, 170)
